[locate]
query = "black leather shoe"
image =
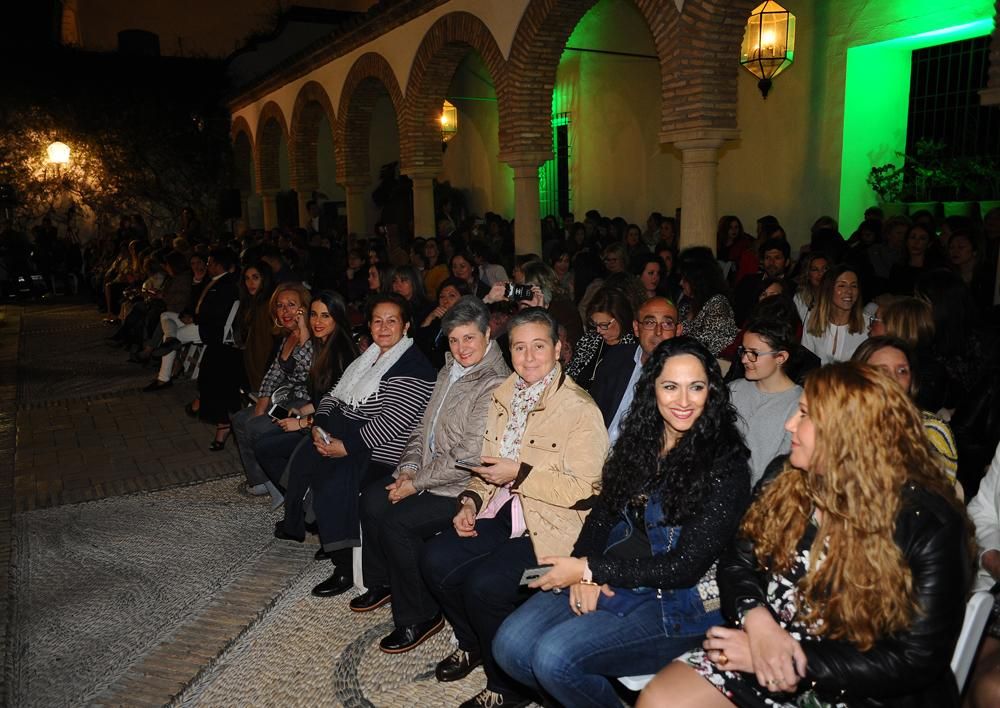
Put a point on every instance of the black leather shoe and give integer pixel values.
(336, 584)
(157, 385)
(321, 555)
(169, 345)
(457, 666)
(371, 599)
(279, 532)
(402, 639)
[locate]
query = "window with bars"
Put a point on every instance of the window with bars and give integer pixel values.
(553, 176)
(944, 100)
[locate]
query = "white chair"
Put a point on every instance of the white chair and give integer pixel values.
(977, 612)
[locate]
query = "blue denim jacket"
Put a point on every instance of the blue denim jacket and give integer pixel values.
(681, 609)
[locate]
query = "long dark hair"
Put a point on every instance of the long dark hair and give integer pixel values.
(250, 304)
(681, 478)
(699, 267)
(331, 358)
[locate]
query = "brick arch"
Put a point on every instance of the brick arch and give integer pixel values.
(240, 125)
(448, 41)
(534, 59)
(700, 64)
(370, 77)
(271, 130)
(311, 105)
(244, 165)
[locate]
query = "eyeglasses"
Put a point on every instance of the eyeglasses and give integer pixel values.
(751, 354)
(872, 319)
(650, 324)
(602, 326)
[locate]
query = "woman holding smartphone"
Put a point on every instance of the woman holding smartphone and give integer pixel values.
(287, 375)
(358, 432)
(639, 583)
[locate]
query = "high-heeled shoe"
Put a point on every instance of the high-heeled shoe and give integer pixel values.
(220, 444)
(191, 410)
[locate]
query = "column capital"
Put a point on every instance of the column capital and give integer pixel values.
(355, 182)
(422, 173)
(525, 160)
(990, 96)
(699, 138)
(268, 193)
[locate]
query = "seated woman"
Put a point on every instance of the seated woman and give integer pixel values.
(408, 283)
(641, 579)
(708, 316)
(402, 510)
(847, 583)
(766, 396)
(896, 359)
(332, 350)
(288, 373)
(609, 326)
(428, 335)
(836, 324)
(365, 420)
(542, 453)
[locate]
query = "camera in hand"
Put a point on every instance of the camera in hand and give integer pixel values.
(517, 293)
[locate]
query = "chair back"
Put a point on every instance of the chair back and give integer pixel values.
(977, 612)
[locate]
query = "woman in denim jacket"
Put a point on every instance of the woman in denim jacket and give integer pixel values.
(641, 581)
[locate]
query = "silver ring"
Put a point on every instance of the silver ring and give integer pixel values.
(578, 605)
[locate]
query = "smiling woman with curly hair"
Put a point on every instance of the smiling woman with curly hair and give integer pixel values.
(847, 581)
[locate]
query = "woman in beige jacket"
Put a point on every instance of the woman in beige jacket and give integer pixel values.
(543, 450)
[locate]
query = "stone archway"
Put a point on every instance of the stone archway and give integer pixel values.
(444, 46)
(312, 105)
(243, 164)
(272, 129)
(370, 77)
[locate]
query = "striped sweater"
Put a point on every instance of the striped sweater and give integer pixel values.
(390, 415)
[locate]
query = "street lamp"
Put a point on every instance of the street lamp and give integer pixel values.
(769, 43)
(58, 153)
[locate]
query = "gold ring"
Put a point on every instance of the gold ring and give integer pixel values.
(723, 659)
(772, 682)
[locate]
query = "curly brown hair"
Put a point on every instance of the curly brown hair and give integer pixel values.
(870, 442)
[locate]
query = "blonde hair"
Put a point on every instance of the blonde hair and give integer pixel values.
(870, 442)
(820, 315)
(298, 288)
(911, 319)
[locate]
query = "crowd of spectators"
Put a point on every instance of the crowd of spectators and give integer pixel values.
(613, 454)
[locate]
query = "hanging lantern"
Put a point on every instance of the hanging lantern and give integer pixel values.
(449, 121)
(769, 43)
(58, 153)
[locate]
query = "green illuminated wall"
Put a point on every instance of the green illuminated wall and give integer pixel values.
(876, 101)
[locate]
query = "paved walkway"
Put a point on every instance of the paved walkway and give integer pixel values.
(134, 568)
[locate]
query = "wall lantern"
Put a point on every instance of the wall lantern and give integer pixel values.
(769, 43)
(449, 121)
(58, 153)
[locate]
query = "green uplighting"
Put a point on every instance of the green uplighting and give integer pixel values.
(877, 95)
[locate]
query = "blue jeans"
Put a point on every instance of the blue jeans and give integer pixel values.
(569, 657)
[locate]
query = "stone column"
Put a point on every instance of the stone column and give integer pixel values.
(699, 150)
(357, 215)
(424, 217)
(304, 194)
(527, 205)
(269, 205)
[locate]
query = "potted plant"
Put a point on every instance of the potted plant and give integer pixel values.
(984, 174)
(925, 175)
(887, 183)
(958, 180)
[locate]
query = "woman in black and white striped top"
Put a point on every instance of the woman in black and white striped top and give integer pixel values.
(364, 420)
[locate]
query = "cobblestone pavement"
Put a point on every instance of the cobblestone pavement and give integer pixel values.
(108, 495)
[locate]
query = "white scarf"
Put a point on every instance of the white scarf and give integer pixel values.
(363, 376)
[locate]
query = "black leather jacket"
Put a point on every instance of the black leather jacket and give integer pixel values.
(912, 668)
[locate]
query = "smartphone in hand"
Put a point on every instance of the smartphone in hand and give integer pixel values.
(532, 574)
(324, 436)
(469, 463)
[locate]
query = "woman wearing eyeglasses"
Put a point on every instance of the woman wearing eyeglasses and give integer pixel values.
(609, 321)
(766, 397)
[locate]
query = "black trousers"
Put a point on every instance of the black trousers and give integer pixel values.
(393, 539)
(477, 583)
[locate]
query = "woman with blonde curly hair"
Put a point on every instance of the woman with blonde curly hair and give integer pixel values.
(846, 584)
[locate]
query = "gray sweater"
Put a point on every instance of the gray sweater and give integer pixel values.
(762, 422)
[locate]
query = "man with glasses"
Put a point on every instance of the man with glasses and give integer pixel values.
(616, 375)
